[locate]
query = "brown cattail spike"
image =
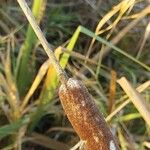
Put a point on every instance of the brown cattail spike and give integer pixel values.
(85, 117)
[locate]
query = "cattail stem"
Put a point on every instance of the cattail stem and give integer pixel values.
(61, 73)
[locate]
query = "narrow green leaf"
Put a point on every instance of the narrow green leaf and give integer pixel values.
(109, 44)
(129, 117)
(25, 62)
(12, 128)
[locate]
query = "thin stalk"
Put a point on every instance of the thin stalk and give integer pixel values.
(137, 99)
(140, 89)
(61, 73)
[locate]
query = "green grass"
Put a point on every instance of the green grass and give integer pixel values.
(25, 60)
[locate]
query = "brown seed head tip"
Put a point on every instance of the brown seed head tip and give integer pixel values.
(71, 84)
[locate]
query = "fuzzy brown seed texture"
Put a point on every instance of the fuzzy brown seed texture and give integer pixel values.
(85, 117)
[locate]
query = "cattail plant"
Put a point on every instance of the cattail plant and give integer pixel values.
(85, 117)
(77, 102)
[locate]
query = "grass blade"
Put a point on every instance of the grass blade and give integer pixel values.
(24, 75)
(109, 44)
(138, 101)
(12, 128)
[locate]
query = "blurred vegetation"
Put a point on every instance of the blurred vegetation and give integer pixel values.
(95, 41)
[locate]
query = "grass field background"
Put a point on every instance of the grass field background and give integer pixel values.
(97, 42)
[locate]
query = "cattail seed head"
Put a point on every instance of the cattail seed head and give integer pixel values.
(85, 117)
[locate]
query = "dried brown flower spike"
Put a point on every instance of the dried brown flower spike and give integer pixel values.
(85, 117)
